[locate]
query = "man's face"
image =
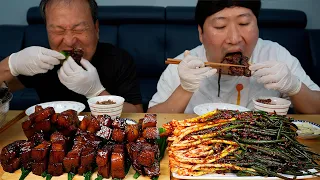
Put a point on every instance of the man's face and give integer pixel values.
(70, 25)
(230, 30)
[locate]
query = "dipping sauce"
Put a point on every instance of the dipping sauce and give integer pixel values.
(264, 101)
(307, 128)
(106, 102)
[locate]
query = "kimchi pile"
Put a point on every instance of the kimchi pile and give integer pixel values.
(245, 143)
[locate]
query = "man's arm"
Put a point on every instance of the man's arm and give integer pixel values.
(306, 101)
(191, 71)
(13, 83)
(176, 103)
(127, 107)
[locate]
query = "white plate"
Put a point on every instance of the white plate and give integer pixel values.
(59, 106)
(302, 135)
(234, 176)
(205, 108)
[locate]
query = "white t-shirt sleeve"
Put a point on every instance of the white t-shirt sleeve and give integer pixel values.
(296, 68)
(170, 80)
(167, 84)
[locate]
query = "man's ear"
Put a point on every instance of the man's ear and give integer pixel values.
(96, 25)
(200, 33)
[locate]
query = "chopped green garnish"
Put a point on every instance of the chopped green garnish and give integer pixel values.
(99, 177)
(66, 54)
(70, 175)
(24, 173)
(155, 178)
(136, 175)
(48, 177)
(87, 175)
(44, 174)
(162, 143)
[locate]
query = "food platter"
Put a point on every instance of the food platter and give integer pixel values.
(207, 107)
(225, 144)
(59, 145)
(234, 176)
(59, 106)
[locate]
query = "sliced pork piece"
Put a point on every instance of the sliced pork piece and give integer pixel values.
(39, 157)
(105, 133)
(118, 162)
(153, 171)
(151, 133)
(10, 156)
(57, 153)
(105, 120)
(58, 138)
(12, 165)
(42, 114)
(118, 135)
(132, 132)
(103, 160)
(119, 123)
(85, 123)
(39, 167)
(72, 161)
(146, 158)
(55, 169)
(93, 126)
(87, 160)
(149, 120)
(40, 152)
(25, 154)
(44, 125)
(36, 139)
(27, 127)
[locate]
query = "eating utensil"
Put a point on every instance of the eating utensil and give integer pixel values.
(210, 64)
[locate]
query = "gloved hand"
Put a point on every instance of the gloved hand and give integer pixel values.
(79, 80)
(33, 60)
(192, 71)
(276, 75)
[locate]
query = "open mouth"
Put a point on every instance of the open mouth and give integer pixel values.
(75, 53)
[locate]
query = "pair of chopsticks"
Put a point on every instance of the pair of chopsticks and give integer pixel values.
(210, 64)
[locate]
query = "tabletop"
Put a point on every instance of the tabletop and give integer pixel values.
(12, 131)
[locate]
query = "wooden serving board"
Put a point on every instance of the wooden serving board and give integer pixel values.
(15, 132)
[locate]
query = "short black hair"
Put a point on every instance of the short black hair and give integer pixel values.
(92, 3)
(206, 8)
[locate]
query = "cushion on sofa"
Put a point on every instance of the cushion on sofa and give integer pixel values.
(11, 37)
(181, 30)
(295, 40)
(314, 37)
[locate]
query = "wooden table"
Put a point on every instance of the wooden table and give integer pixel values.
(13, 131)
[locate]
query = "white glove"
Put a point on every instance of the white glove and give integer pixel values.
(33, 60)
(192, 71)
(79, 80)
(276, 75)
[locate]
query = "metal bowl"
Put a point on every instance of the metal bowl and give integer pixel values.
(4, 107)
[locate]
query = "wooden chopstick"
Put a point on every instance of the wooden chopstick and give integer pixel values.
(13, 121)
(211, 64)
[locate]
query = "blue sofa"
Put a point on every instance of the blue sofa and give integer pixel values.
(152, 34)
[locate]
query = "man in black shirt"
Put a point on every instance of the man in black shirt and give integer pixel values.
(104, 68)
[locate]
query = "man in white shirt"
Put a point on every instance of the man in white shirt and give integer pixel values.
(227, 27)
